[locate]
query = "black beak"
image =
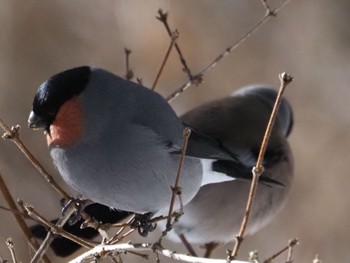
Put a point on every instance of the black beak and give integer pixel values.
(36, 122)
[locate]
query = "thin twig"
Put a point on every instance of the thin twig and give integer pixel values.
(11, 247)
(291, 243)
(129, 73)
(128, 233)
(163, 17)
(227, 51)
(176, 190)
(209, 248)
(285, 79)
(268, 9)
(19, 218)
(121, 230)
(54, 230)
(174, 37)
(57, 230)
(13, 135)
(187, 245)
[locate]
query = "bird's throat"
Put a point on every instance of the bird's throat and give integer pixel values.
(67, 128)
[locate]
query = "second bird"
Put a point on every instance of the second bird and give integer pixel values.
(239, 122)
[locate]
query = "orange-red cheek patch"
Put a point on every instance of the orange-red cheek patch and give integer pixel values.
(67, 128)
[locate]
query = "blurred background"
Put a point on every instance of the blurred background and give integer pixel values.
(308, 39)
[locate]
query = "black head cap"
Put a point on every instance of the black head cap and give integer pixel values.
(54, 92)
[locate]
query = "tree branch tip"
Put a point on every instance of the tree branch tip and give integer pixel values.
(286, 78)
(9, 243)
(293, 242)
(12, 134)
(162, 16)
(187, 132)
(254, 256)
(127, 51)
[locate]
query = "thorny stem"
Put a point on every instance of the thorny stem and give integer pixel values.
(227, 51)
(285, 79)
(18, 216)
(13, 135)
(290, 245)
(174, 37)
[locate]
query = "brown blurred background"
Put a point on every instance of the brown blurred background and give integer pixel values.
(309, 39)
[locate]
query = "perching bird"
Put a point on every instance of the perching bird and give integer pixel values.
(119, 144)
(65, 88)
(239, 122)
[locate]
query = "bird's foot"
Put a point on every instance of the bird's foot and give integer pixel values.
(143, 225)
(79, 205)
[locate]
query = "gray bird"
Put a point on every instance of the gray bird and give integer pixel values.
(118, 143)
(239, 123)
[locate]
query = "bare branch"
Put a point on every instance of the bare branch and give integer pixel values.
(163, 17)
(268, 9)
(13, 135)
(227, 51)
(176, 190)
(291, 244)
(174, 37)
(111, 241)
(19, 218)
(188, 245)
(285, 79)
(122, 248)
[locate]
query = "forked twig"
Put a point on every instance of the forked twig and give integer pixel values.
(227, 51)
(285, 79)
(268, 8)
(163, 17)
